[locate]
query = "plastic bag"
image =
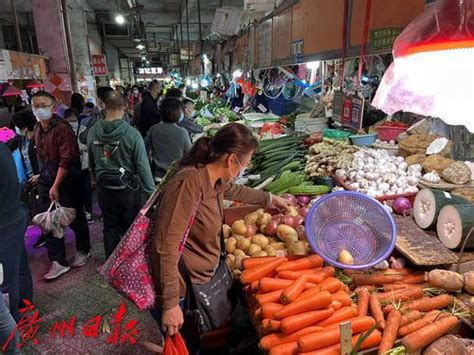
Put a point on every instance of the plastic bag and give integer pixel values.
(56, 220)
(432, 71)
(175, 346)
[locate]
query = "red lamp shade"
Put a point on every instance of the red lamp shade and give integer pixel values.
(12, 91)
(34, 84)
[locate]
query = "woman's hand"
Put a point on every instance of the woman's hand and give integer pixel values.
(172, 320)
(280, 202)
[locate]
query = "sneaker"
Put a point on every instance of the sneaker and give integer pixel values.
(80, 259)
(41, 242)
(89, 218)
(56, 270)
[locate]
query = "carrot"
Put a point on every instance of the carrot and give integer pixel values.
(317, 301)
(292, 292)
(401, 286)
(376, 310)
(296, 322)
(414, 279)
(335, 305)
(250, 263)
(342, 297)
(356, 320)
(339, 316)
(429, 304)
(258, 314)
(260, 271)
(268, 309)
(375, 279)
(390, 331)
(270, 325)
(313, 341)
(269, 284)
(420, 323)
(411, 317)
(293, 275)
(331, 285)
(371, 341)
(270, 341)
(426, 335)
(269, 297)
(402, 271)
(285, 349)
(308, 262)
(363, 301)
(254, 286)
(406, 294)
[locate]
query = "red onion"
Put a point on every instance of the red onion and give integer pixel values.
(271, 228)
(289, 221)
(402, 206)
(278, 218)
(304, 200)
(251, 230)
(301, 233)
(304, 211)
(290, 198)
(298, 220)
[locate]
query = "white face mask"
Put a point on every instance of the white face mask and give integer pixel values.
(19, 132)
(43, 114)
(241, 172)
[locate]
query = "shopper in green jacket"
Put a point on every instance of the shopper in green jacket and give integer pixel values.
(120, 165)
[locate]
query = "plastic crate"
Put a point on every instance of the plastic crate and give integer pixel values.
(389, 133)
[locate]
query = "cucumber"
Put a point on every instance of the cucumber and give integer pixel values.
(309, 190)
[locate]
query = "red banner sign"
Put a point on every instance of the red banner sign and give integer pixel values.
(99, 65)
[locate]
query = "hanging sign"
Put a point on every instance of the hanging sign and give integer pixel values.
(348, 110)
(383, 38)
(99, 65)
(297, 50)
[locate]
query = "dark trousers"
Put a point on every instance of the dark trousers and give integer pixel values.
(69, 196)
(86, 183)
(119, 209)
(17, 275)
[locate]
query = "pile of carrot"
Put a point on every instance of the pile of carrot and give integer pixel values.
(397, 301)
(298, 306)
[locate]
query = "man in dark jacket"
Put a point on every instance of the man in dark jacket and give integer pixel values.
(149, 113)
(59, 165)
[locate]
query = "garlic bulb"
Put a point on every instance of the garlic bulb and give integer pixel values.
(432, 177)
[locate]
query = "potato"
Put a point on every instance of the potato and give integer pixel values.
(297, 248)
(287, 234)
(229, 259)
(243, 244)
(237, 237)
(469, 282)
(293, 212)
(278, 246)
(260, 211)
(236, 274)
(261, 253)
(449, 281)
(273, 240)
(265, 218)
(254, 249)
(261, 240)
(239, 252)
(345, 257)
(226, 231)
(237, 265)
(238, 227)
(262, 228)
(270, 251)
(252, 218)
(230, 245)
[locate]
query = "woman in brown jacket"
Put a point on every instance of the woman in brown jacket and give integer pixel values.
(202, 183)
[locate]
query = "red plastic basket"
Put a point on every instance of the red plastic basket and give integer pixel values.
(389, 133)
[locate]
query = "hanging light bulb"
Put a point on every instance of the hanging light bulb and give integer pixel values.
(140, 46)
(120, 19)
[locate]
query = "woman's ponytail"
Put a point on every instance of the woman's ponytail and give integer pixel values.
(200, 153)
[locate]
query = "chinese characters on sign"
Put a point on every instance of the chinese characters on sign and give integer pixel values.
(29, 325)
(348, 110)
(149, 71)
(384, 38)
(99, 65)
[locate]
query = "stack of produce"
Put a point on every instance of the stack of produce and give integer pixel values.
(296, 183)
(328, 156)
(260, 234)
(214, 112)
(277, 155)
(376, 173)
(298, 306)
(405, 307)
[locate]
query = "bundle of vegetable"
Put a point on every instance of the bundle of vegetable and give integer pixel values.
(298, 306)
(296, 183)
(376, 173)
(260, 234)
(326, 157)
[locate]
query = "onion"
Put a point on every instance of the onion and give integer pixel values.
(289, 221)
(278, 218)
(290, 198)
(271, 228)
(251, 230)
(304, 200)
(402, 206)
(298, 220)
(304, 211)
(301, 233)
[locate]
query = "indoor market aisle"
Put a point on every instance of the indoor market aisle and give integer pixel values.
(82, 293)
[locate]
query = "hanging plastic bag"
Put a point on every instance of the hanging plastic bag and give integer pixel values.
(432, 71)
(55, 221)
(175, 345)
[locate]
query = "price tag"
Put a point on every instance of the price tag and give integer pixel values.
(237, 109)
(262, 108)
(447, 194)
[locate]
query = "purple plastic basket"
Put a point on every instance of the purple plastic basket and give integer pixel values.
(352, 221)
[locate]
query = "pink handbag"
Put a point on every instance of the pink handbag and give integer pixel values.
(128, 270)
